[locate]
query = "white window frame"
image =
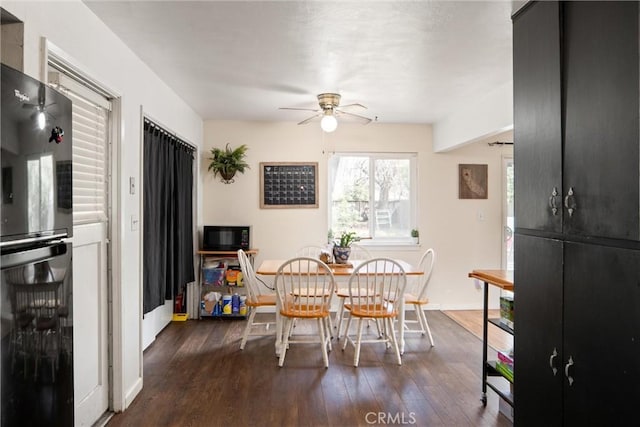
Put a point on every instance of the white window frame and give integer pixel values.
(413, 191)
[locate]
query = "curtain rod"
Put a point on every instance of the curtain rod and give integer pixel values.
(491, 144)
(171, 134)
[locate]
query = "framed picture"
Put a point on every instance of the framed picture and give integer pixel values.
(472, 181)
(288, 185)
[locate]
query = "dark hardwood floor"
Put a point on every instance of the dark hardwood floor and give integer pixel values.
(196, 375)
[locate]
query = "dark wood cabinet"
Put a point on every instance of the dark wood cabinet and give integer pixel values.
(577, 345)
(576, 104)
(538, 331)
(537, 115)
(577, 267)
(601, 120)
(601, 316)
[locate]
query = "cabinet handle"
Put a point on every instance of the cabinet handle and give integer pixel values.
(552, 201)
(566, 370)
(551, 364)
(570, 202)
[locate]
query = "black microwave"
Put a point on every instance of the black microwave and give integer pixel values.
(226, 237)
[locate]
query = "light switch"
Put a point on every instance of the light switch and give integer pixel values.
(132, 185)
(134, 223)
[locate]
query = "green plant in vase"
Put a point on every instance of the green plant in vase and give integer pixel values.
(416, 235)
(228, 161)
(342, 246)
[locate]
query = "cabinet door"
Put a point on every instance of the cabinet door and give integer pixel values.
(600, 56)
(602, 335)
(537, 117)
(538, 331)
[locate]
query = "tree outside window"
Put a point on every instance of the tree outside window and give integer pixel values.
(373, 195)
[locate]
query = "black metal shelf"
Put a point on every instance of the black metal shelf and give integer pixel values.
(501, 325)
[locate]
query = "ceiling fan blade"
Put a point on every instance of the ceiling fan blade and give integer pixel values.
(315, 110)
(364, 119)
(309, 119)
(342, 107)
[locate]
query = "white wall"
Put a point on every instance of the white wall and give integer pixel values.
(448, 224)
(93, 48)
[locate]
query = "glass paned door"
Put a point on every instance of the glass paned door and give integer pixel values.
(508, 225)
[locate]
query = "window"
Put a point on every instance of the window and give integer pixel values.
(373, 195)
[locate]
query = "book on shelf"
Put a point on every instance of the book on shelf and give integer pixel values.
(504, 370)
(506, 358)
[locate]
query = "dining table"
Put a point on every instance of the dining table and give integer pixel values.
(341, 272)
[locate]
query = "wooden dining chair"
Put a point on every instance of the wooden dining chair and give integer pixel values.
(256, 302)
(419, 299)
(305, 287)
(375, 289)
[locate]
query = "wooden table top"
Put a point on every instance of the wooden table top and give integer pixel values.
(500, 278)
(270, 267)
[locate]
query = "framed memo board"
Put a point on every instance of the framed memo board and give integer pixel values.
(286, 185)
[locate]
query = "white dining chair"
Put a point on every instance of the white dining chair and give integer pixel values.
(305, 287)
(419, 300)
(256, 302)
(375, 289)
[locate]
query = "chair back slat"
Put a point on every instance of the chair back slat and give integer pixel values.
(377, 284)
(304, 285)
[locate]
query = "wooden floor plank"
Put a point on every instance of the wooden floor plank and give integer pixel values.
(196, 375)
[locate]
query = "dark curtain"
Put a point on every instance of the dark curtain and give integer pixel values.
(168, 218)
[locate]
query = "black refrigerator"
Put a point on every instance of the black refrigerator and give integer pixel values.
(36, 220)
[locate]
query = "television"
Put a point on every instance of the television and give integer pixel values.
(226, 237)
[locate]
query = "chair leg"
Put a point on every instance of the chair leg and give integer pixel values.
(247, 329)
(356, 356)
(392, 336)
(326, 322)
(426, 326)
(288, 325)
(346, 333)
(323, 342)
(340, 315)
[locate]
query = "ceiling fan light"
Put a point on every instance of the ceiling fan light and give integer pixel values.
(328, 123)
(41, 120)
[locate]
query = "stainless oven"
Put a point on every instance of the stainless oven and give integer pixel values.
(36, 286)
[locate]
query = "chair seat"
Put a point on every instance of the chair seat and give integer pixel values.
(263, 301)
(305, 311)
(412, 299)
(372, 310)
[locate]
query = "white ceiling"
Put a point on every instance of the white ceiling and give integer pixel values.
(407, 61)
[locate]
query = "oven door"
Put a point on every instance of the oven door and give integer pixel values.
(36, 329)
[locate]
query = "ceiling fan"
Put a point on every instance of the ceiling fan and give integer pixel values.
(329, 110)
(40, 109)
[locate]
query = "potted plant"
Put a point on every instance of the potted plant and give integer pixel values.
(415, 234)
(342, 246)
(227, 162)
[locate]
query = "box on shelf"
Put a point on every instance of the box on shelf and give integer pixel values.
(506, 310)
(213, 273)
(234, 276)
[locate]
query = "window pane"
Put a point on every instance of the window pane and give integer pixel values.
(350, 195)
(392, 206)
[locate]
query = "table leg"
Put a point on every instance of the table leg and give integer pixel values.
(401, 324)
